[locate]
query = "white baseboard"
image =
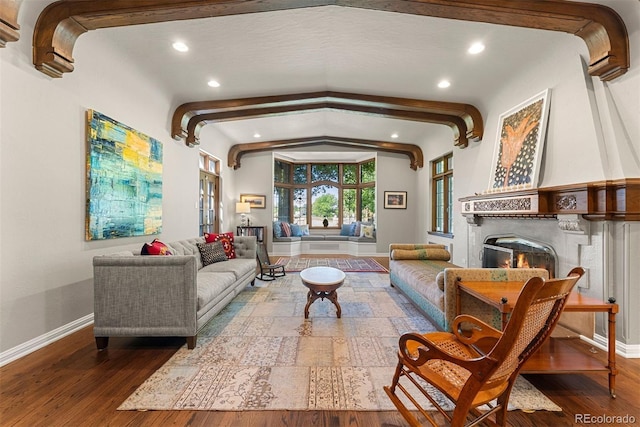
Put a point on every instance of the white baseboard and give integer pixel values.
(44, 340)
(628, 351)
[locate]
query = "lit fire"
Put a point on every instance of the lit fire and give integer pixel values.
(523, 262)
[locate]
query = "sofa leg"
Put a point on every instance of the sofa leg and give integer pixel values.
(253, 282)
(191, 342)
(102, 342)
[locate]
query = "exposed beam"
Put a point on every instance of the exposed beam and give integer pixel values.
(9, 28)
(416, 159)
(603, 31)
(464, 120)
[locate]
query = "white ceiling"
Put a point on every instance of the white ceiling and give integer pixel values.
(330, 48)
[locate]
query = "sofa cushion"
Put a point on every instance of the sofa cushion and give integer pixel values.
(156, 247)
(212, 252)
(312, 238)
(212, 287)
(239, 267)
(227, 242)
(305, 229)
(345, 230)
(290, 239)
(336, 237)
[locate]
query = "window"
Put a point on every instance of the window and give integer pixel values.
(209, 192)
(307, 193)
(442, 194)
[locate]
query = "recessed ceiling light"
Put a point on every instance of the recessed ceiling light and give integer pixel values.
(213, 83)
(256, 135)
(444, 84)
(476, 48)
(180, 47)
(394, 135)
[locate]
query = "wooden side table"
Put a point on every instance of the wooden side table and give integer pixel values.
(322, 282)
(553, 356)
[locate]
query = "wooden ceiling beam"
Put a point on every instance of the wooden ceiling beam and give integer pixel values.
(416, 159)
(603, 31)
(464, 120)
(9, 28)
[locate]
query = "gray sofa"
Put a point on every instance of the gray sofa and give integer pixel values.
(423, 273)
(166, 295)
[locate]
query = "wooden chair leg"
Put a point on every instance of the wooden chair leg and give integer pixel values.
(102, 342)
(191, 342)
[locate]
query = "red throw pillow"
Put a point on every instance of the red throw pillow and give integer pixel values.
(155, 248)
(227, 242)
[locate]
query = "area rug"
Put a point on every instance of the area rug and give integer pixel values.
(354, 265)
(260, 353)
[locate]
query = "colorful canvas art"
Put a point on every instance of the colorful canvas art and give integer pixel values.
(518, 153)
(124, 180)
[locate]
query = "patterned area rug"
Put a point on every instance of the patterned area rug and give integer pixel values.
(260, 353)
(354, 265)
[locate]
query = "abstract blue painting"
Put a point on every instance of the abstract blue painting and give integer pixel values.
(124, 180)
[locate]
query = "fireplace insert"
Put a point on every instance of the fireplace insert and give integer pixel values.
(518, 252)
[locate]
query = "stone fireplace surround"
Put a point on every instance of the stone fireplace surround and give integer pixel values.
(595, 226)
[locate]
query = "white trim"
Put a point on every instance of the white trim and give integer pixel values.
(628, 351)
(298, 247)
(44, 340)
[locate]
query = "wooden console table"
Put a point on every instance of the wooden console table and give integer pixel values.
(554, 356)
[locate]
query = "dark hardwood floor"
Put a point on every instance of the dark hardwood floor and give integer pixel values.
(70, 383)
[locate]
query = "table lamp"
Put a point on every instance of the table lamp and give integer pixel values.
(243, 208)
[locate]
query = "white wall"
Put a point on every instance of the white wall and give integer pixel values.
(46, 264)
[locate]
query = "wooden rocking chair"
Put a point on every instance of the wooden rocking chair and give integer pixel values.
(268, 271)
(455, 363)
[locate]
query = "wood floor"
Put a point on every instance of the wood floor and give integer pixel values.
(70, 383)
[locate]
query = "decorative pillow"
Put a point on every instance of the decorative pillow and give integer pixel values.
(296, 231)
(352, 229)
(367, 231)
(277, 229)
(211, 252)
(155, 248)
(345, 230)
(433, 254)
(358, 229)
(440, 280)
(286, 229)
(227, 242)
(305, 229)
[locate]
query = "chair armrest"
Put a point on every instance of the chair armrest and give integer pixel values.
(479, 330)
(428, 349)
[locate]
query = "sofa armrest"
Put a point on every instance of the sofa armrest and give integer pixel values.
(145, 295)
(472, 306)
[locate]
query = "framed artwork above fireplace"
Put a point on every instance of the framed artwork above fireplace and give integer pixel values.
(520, 143)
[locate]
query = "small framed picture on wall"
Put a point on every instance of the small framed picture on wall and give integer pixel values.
(395, 200)
(256, 201)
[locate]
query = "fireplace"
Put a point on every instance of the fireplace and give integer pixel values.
(517, 252)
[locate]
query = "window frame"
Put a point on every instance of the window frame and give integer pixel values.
(309, 185)
(446, 177)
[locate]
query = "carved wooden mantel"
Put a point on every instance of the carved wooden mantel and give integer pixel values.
(602, 200)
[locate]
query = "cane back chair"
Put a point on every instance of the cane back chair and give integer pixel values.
(456, 364)
(268, 271)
